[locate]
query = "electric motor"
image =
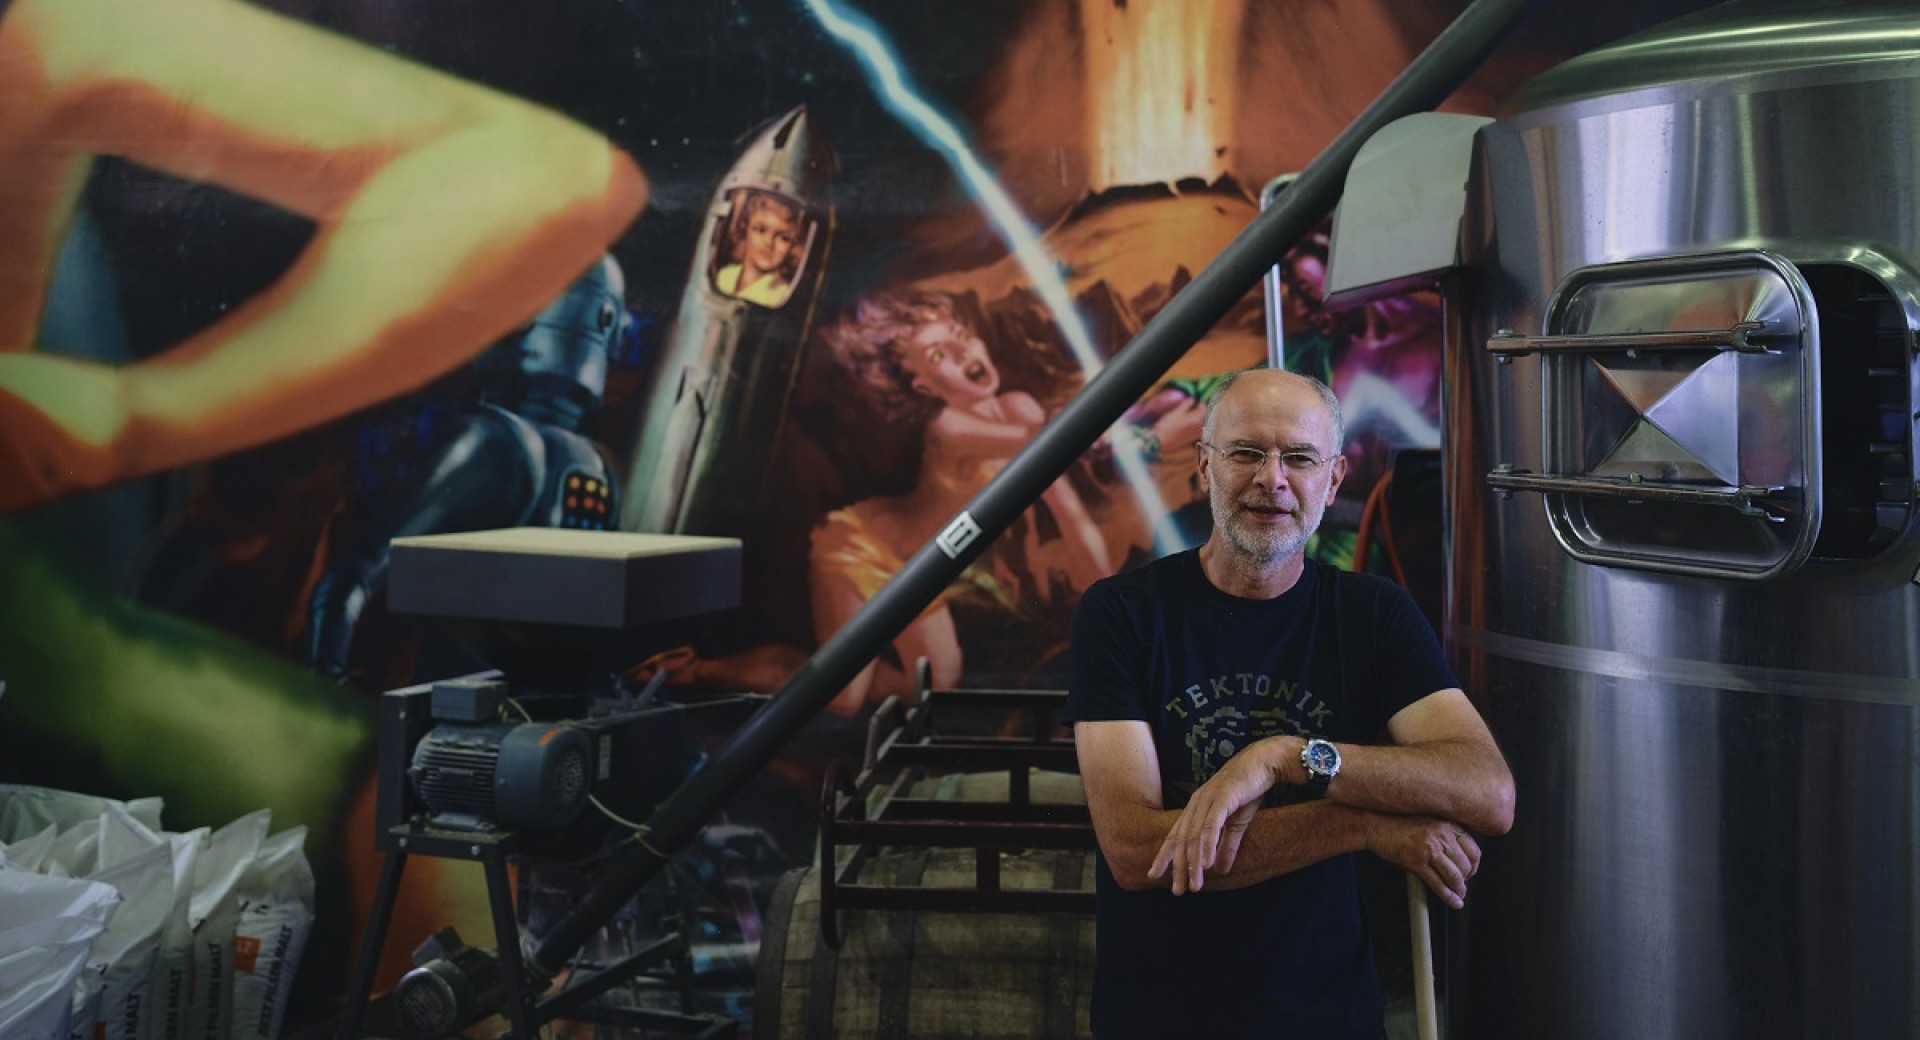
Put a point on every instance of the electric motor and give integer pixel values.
(479, 774)
(454, 986)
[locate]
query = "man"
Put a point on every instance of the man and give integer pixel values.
(1228, 704)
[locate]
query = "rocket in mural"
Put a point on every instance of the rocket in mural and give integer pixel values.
(720, 390)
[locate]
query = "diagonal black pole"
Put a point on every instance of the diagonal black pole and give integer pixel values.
(1435, 74)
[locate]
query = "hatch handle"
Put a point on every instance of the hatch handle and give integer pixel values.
(1761, 501)
(1746, 337)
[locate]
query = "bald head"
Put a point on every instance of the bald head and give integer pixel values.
(1256, 380)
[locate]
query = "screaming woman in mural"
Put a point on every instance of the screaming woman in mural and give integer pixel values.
(415, 264)
(919, 367)
(916, 360)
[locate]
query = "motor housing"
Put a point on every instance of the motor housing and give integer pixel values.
(475, 772)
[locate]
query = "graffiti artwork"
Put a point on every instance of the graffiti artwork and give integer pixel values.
(282, 281)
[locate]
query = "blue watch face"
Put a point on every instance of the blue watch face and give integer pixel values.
(1321, 757)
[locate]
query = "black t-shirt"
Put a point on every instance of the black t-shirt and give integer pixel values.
(1334, 656)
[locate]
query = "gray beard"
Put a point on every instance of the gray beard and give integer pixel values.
(1262, 547)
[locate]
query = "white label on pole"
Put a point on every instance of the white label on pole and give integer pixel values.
(959, 534)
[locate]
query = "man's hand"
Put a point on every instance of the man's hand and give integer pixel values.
(1208, 831)
(1441, 853)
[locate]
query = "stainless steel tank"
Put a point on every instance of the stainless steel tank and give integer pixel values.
(1680, 504)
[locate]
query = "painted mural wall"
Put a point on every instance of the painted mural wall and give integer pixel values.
(282, 281)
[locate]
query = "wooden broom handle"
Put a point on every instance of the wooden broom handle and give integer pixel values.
(1423, 997)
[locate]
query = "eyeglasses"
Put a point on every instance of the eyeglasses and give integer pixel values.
(1245, 458)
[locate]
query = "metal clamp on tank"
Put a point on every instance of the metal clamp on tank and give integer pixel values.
(1682, 415)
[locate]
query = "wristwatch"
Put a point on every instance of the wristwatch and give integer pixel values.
(1322, 763)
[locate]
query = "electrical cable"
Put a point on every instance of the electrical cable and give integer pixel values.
(1375, 512)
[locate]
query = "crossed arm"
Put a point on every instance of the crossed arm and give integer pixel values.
(1417, 803)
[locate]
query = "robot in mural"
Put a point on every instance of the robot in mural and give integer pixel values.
(514, 458)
